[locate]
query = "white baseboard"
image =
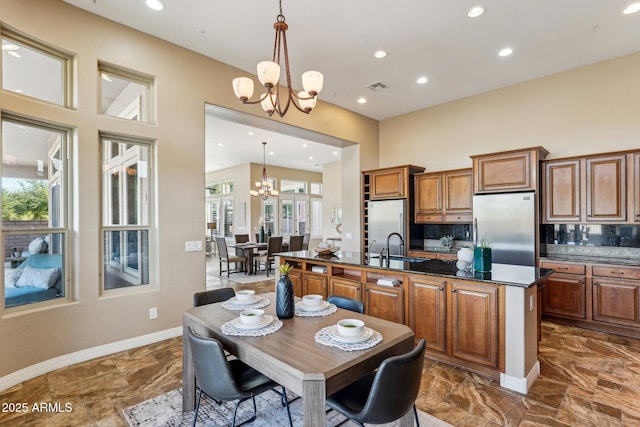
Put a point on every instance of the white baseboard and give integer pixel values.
(83, 355)
(521, 385)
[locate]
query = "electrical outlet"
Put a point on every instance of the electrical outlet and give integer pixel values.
(153, 313)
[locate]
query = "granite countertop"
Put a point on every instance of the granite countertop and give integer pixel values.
(435, 249)
(500, 274)
(593, 259)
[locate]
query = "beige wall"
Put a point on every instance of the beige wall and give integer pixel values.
(185, 82)
(588, 110)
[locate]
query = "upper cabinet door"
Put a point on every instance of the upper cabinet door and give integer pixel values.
(388, 183)
(515, 170)
(562, 191)
(606, 189)
(458, 196)
(636, 187)
(428, 197)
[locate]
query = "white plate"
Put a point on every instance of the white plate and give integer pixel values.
(253, 300)
(266, 322)
(301, 305)
(333, 333)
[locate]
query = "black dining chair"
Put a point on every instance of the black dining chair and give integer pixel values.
(295, 243)
(227, 380)
(274, 245)
(346, 303)
(242, 238)
(223, 255)
(305, 241)
(386, 394)
(212, 296)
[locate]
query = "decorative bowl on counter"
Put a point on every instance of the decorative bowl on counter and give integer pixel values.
(326, 251)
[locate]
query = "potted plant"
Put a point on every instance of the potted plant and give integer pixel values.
(482, 255)
(284, 293)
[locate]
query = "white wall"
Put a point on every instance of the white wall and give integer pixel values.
(331, 197)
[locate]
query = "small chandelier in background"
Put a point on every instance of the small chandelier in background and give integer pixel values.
(269, 76)
(264, 187)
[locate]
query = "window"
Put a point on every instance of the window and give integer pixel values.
(220, 208)
(35, 70)
(288, 186)
(34, 211)
(125, 94)
(227, 216)
(316, 218)
(126, 193)
(316, 189)
(268, 216)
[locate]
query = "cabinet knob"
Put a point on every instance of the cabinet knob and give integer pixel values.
(441, 289)
(454, 290)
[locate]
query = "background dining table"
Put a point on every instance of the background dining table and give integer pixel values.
(292, 357)
(248, 250)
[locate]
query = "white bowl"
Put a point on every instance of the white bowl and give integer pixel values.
(350, 327)
(312, 300)
(252, 316)
(245, 295)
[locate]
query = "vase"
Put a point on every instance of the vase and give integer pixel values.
(482, 259)
(284, 298)
(465, 256)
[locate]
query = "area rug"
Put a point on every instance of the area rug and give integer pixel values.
(166, 410)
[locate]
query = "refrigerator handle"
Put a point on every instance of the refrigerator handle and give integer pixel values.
(475, 232)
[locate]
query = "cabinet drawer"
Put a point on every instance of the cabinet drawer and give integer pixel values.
(458, 218)
(428, 217)
(616, 271)
(565, 268)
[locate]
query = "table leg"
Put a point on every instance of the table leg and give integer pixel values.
(314, 397)
(188, 374)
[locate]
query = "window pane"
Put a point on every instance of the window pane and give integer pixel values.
(287, 186)
(316, 218)
(123, 97)
(228, 218)
(33, 72)
(316, 189)
(126, 258)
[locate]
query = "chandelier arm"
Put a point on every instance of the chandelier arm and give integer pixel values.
(264, 95)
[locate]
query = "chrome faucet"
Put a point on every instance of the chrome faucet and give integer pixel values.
(389, 248)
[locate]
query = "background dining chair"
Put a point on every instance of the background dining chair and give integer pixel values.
(385, 395)
(227, 380)
(212, 296)
(274, 245)
(242, 238)
(305, 241)
(346, 303)
(223, 254)
(295, 243)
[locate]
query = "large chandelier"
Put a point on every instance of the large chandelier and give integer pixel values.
(269, 75)
(264, 186)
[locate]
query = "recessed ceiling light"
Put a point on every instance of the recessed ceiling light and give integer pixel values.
(10, 47)
(155, 4)
(14, 54)
(632, 8)
(505, 52)
(305, 145)
(251, 133)
(362, 100)
(422, 80)
(220, 144)
(19, 91)
(271, 153)
(310, 157)
(335, 153)
(380, 54)
(106, 77)
(475, 11)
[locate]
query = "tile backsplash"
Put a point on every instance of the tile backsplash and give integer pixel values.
(607, 235)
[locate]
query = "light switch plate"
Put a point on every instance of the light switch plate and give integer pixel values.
(193, 246)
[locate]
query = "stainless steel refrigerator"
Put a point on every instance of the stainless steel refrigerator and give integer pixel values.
(386, 217)
(508, 222)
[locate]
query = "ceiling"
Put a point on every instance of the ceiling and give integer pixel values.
(432, 38)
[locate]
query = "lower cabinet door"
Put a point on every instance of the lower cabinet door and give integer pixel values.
(384, 303)
(296, 279)
(315, 284)
(428, 311)
(346, 288)
(474, 322)
(564, 294)
(615, 301)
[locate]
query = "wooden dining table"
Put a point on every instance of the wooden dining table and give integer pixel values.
(292, 357)
(248, 250)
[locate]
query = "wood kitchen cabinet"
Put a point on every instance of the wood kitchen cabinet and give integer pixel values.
(561, 187)
(616, 294)
(295, 276)
(606, 188)
(314, 283)
(427, 315)
(473, 311)
(345, 288)
(636, 187)
(444, 197)
(391, 183)
(384, 302)
(564, 292)
(515, 170)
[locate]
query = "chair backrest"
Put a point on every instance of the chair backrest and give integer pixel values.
(212, 296)
(346, 303)
(305, 241)
(222, 248)
(395, 387)
(242, 238)
(274, 245)
(212, 370)
(295, 243)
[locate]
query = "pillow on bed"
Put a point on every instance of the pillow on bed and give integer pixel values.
(11, 276)
(43, 278)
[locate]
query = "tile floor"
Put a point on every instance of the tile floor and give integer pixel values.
(587, 379)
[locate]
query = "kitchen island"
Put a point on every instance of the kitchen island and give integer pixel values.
(485, 322)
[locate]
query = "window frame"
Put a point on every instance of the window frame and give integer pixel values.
(145, 110)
